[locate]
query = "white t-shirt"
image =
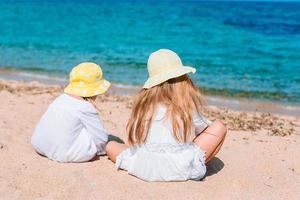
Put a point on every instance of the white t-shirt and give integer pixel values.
(70, 131)
(161, 129)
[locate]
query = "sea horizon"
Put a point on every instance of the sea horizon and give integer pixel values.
(240, 49)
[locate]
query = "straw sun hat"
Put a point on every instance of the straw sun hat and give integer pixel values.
(163, 65)
(86, 80)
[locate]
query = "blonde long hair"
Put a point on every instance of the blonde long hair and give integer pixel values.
(181, 98)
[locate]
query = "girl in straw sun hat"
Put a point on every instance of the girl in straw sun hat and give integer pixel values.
(71, 130)
(169, 139)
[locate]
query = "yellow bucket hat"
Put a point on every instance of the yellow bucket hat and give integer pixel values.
(163, 65)
(86, 80)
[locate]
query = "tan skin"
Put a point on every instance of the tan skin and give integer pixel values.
(210, 140)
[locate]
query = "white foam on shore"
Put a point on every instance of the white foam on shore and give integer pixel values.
(125, 89)
(121, 85)
(42, 77)
(253, 105)
(30, 76)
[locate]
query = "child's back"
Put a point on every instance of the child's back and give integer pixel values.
(161, 130)
(71, 130)
(68, 129)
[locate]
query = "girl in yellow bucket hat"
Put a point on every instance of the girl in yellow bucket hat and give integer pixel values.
(70, 130)
(169, 138)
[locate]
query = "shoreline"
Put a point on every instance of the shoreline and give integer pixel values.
(236, 120)
(232, 103)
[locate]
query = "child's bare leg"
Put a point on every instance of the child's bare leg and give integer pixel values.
(113, 149)
(212, 139)
(215, 152)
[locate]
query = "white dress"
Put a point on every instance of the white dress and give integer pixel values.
(162, 157)
(70, 131)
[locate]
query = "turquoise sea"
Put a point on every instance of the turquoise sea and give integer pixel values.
(244, 49)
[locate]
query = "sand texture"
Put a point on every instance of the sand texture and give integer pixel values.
(259, 159)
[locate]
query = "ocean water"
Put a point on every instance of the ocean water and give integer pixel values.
(243, 49)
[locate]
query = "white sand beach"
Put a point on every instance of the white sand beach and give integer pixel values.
(258, 159)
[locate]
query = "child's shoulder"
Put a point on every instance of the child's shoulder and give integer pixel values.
(66, 101)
